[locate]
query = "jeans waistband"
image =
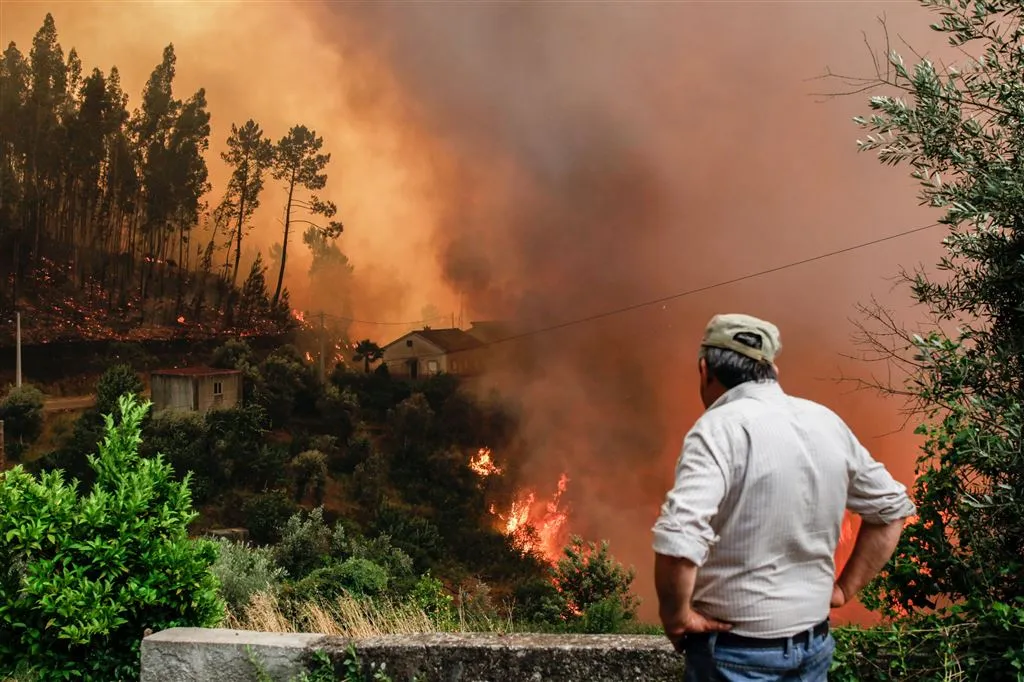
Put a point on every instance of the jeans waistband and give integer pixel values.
(731, 639)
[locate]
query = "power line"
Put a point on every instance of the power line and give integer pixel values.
(707, 287)
(374, 322)
(656, 301)
(691, 292)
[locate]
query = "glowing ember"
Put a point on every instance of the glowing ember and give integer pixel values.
(482, 464)
(181, 319)
(309, 357)
(299, 315)
(537, 527)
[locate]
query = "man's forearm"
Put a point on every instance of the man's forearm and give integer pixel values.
(873, 549)
(674, 579)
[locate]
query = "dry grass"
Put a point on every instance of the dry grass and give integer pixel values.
(346, 616)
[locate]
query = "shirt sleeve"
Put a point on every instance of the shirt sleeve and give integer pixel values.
(684, 527)
(873, 493)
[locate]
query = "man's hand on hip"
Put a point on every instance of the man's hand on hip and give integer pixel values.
(690, 623)
(838, 597)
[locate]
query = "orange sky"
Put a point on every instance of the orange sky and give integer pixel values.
(553, 160)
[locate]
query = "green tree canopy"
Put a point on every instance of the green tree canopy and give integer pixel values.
(960, 131)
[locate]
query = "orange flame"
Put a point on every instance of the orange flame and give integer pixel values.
(482, 464)
(299, 315)
(537, 527)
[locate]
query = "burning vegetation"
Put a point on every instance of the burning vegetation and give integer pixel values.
(533, 525)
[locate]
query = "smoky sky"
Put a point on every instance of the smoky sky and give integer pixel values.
(603, 154)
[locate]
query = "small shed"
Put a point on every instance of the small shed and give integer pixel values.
(195, 389)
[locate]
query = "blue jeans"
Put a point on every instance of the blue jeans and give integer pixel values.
(807, 661)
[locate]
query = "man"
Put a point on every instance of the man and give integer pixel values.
(745, 543)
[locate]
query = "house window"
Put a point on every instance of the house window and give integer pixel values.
(408, 343)
(432, 366)
(455, 365)
(218, 388)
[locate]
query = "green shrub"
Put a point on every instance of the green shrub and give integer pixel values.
(305, 544)
(353, 577)
(607, 616)
(244, 570)
(266, 514)
(588, 575)
(22, 413)
(116, 382)
(435, 601)
(182, 437)
(93, 572)
(309, 471)
(966, 642)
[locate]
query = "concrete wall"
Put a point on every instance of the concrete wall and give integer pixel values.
(195, 392)
(229, 396)
(197, 655)
(170, 392)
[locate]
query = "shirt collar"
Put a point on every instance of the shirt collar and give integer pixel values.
(749, 389)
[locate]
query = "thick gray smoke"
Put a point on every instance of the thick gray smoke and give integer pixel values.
(593, 155)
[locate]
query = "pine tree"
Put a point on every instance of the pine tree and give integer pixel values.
(250, 154)
(300, 165)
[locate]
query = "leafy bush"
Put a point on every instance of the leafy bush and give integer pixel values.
(244, 570)
(183, 438)
(977, 643)
(116, 382)
(237, 452)
(353, 577)
(305, 543)
(22, 413)
(266, 514)
(309, 470)
(339, 409)
(588, 577)
(287, 385)
(429, 594)
(92, 572)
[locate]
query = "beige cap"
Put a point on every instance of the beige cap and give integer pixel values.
(722, 330)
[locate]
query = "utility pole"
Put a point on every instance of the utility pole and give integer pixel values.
(17, 349)
(3, 453)
(323, 367)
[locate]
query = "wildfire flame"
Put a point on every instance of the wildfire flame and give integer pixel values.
(299, 315)
(482, 464)
(537, 527)
(533, 526)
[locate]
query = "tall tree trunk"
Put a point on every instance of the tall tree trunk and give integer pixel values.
(284, 242)
(241, 221)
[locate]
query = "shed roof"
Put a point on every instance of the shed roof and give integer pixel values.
(193, 371)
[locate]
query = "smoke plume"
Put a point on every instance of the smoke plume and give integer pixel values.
(545, 162)
(603, 154)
